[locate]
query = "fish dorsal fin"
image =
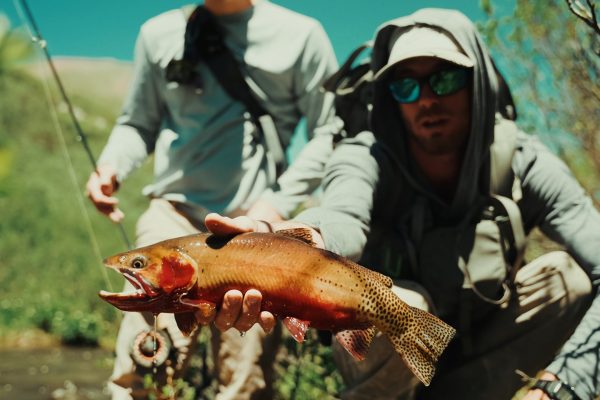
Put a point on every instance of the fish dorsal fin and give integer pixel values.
(302, 234)
(356, 342)
(186, 322)
(296, 327)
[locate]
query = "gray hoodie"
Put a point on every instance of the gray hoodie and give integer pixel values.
(365, 191)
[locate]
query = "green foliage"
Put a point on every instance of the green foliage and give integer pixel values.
(49, 271)
(547, 55)
(306, 371)
(15, 46)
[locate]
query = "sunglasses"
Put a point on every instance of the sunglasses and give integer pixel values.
(442, 83)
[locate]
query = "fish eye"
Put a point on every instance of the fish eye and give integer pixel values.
(138, 262)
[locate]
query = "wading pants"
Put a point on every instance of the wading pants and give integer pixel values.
(243, 365)
(552, 294)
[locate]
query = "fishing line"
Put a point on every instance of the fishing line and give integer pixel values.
(29, 21)
(73, 175)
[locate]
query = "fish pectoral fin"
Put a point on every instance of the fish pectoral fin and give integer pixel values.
(205, 309)
(129, 381)
(186, 322)
(296, 327)
(356, 342)
(302, 234)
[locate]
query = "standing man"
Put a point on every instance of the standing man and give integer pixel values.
(211, 156)
(439, 198)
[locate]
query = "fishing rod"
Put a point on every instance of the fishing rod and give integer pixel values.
(36, 37)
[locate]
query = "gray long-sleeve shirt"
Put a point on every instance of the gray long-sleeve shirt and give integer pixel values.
(552, 200)
(202, 140)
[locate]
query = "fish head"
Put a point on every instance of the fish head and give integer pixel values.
(160, 275)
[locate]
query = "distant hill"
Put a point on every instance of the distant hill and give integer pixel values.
(100, 81)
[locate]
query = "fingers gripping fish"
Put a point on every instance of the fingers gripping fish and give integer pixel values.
(300, 284)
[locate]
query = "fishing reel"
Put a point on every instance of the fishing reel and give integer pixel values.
(151, 354)
(150, 349)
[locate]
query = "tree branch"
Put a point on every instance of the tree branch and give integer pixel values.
(586, 15)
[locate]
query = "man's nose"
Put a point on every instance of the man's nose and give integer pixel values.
(428, 97)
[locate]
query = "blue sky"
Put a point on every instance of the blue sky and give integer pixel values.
(107, 28)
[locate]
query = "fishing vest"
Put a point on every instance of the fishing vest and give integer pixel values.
(467, 267)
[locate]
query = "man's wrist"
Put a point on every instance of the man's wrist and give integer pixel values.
(556, 390)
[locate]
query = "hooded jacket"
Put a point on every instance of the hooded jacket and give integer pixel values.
(372, 192)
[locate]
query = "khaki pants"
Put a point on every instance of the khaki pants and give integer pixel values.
(552, 294)
(243, 365)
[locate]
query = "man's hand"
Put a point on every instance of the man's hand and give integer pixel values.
(238, 310)
(538, 394)
(262, 210)
(101, 186)
(223, 226)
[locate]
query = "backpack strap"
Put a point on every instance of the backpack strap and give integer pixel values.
(502, 151)
(334, 82)
(204, 42)
(505, 189)
(351, 87)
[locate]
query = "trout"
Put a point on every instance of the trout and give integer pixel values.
(302, 285)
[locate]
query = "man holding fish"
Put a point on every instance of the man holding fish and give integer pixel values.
(439, 197)
(210, 155)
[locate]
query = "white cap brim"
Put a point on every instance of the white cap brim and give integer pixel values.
(424, 42)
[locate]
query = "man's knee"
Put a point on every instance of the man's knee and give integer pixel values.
(564, 268)
(556, 282)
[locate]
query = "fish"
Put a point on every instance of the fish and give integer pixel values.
(301, 284)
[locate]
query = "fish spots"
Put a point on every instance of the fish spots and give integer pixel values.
(175, 273)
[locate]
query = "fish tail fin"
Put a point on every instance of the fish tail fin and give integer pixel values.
(420, 338)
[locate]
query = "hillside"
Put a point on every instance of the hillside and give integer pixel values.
(45, 231)
(102, 82)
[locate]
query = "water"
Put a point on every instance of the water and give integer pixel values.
(62, 373)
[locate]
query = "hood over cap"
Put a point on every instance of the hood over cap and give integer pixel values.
(449, 35)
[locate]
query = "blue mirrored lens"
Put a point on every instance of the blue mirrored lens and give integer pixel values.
(442, 83)
(405, 90)
(448, 81)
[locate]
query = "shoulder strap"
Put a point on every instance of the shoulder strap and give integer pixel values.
(351, 87)
(204, 41)
(505, 187)
(333, 83)
(502, 150)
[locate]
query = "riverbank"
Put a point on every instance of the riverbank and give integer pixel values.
(34, 365)
(57, 372)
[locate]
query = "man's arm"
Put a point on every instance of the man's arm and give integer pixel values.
(316, 63)
(555, 201)
(344, 215)
(132, 138)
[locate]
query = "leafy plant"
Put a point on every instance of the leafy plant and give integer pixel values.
(549, 58)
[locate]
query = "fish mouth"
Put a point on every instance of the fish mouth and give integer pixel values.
(138, 300)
